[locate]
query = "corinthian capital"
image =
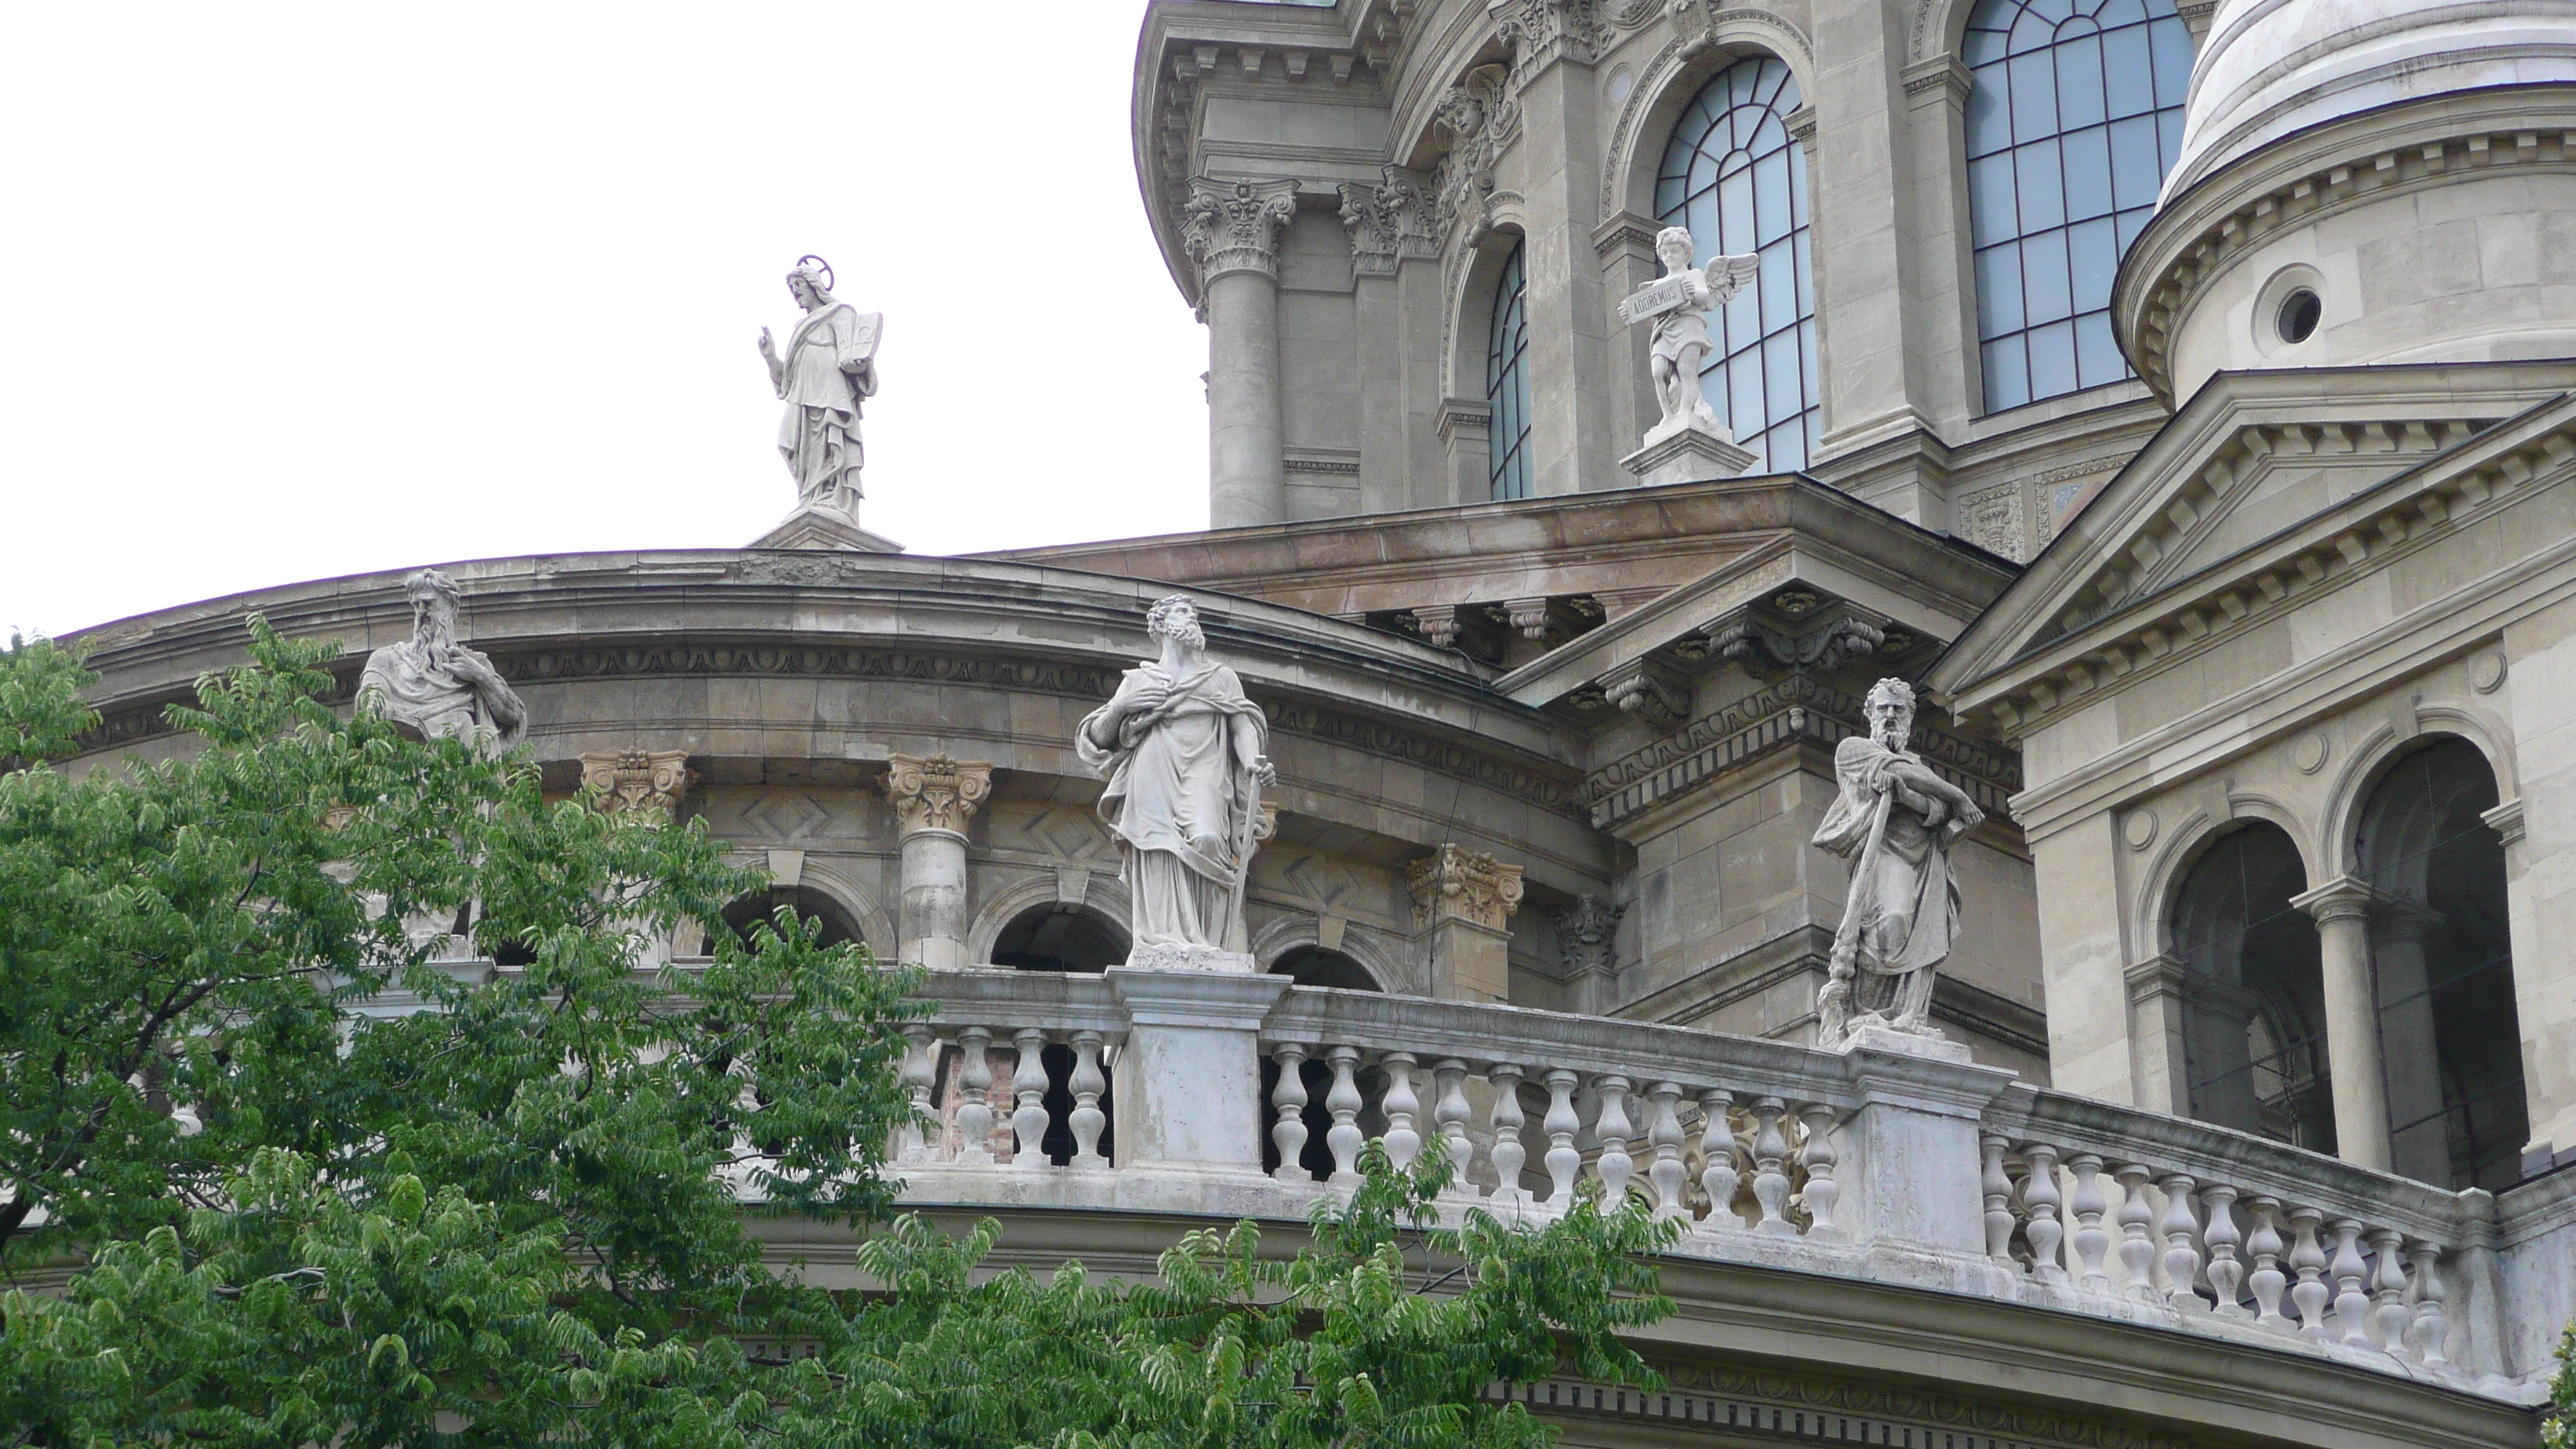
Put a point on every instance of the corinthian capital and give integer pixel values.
(934, 792)
(1464, 885)
(1387, 223)
(644, 786)
(1234, 226)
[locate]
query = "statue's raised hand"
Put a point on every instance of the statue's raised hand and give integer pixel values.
(768, 348)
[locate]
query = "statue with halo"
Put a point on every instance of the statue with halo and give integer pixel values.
(1895, 818)
(828, 370)
(1186, 756)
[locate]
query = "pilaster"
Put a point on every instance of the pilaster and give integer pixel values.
(1462, 900)
(1577, 432)
(1587, 942)
(934, 798)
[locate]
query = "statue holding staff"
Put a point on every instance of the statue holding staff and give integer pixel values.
(828, 371)
(1899, 818)
(1186, 757)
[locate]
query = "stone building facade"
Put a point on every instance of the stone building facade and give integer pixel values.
(2184, 396)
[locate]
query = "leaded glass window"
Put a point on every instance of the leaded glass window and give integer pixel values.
(1738, 180)
(1507, 384)
(2072, 123)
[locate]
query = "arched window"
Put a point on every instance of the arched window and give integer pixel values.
(2254, 1009)
(1738, 180)
(1507, 384)
(810, 904)
(2073, 119)
(2450, 1036)
(1060, 937)
(1315, 966)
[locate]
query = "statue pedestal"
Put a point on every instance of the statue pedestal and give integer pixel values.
(1188, 1086)
(1686, 452)
(1870, 1036)
(825, 528)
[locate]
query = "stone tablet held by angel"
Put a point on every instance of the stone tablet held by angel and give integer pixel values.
(1677, 305)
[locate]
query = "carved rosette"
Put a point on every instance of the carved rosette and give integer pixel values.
(1387, 223)
(1587, 937)
(643, 786)
(1458, 884)
(1234, 226)
(934, 792)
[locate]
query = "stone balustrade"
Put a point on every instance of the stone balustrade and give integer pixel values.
(1153, 1092)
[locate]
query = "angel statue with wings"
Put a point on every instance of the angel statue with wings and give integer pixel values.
(1677, 304)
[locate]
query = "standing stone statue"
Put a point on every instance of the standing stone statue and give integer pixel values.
(1899, 819)
(436, 686)
(1186, 756)
(830, 368)
(1677, 305)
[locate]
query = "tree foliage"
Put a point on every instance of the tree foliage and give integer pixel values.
(315, 1178)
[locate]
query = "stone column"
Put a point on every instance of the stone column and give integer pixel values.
(934, 797)
(2159, 1024)
(2342, 908)
(1232, 231)
(1461, 899)
(2419, 1136)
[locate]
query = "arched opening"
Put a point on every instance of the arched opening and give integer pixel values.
(1507, 389)
(2442, 955)
(1059, 936)
(2075, 113)
(810, 904)
(1734, 175)
(1315, 966)
(2254, 1048)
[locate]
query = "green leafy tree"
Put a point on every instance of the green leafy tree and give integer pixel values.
(289, 1215)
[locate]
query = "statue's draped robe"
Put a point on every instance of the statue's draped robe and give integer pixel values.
(422, 685)
(1683, 327)
(819, 432)
(1182, 801)
(1910, 909)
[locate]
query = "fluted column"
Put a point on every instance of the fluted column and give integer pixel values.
(2342, 909)
(1232, 230)
(934, 798)
(1461, 899)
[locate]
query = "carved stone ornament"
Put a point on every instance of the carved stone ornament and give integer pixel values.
(1234, 226)
(1387, 223)
(1587, 937)
(1765, 650)
(1543, 32)
(1457, 884)
(1476, 119)
(644, 786)
(934, 792)
(1657, 696)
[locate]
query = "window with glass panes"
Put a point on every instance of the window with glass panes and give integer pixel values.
(1735, 177)
(2073, 120)
(1507, 385)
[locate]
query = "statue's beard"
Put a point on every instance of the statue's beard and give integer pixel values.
(431, 627)
(1895, 733)
(1190, 638)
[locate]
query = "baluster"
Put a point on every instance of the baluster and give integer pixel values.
(1088, 1083)
(2039, 1194)
(2389, 1314)
(1507, 1152)
(920, 1070)
(1818, 1159)
(1611, 1130)
(2428, 1334)
(1561, 1123)
(1288, 1108)
(974, 1102)
(1403, 1144)
(1342, 1099)
(1449, 1114)
(2137, 1247)
(2182, 1259)
(2352, 1304)
(1770, 1183)
(1717, 1174)
(1998, 1190)
(2222, 1235)
(2308, 1260)
(1028, 1088)
(1664, 1133)
(2265, 1245)
(2092, 1240)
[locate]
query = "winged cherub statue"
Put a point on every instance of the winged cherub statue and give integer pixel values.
(1677, 304)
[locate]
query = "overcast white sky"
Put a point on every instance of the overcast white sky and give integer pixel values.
(295, 291)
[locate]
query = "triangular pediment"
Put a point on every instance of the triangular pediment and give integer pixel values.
(2253, 457)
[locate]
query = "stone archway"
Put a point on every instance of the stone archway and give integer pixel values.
(2254, 1047)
